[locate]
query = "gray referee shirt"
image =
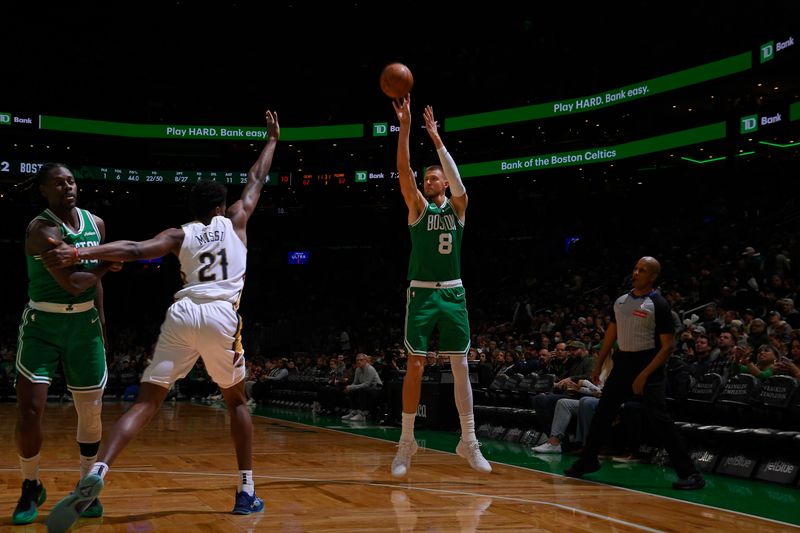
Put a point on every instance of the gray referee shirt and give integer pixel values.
(640, 320)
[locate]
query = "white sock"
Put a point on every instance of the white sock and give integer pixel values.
(30, 467)
(86, 465)
(468, 427)
(462, 388)
(407, 433)
(246, 483)
(99, 469)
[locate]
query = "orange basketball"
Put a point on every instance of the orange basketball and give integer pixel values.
(396, 80)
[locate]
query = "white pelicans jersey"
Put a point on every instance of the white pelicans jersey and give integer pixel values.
(213, 260)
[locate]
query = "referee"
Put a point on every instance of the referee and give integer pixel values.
(642, 325)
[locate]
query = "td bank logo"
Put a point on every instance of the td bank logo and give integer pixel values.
(361, 176)
(767, 52)
(5, 118)
(380, 129)
(748, 124)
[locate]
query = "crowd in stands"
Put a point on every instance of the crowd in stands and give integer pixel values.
(536, 306)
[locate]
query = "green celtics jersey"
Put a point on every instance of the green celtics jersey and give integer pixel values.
(42, 287)
(436, 244)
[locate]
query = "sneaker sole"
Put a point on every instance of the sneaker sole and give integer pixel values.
(65, 512)
(248, 511)
(93, 511)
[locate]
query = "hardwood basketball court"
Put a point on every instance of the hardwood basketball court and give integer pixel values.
(180, 475)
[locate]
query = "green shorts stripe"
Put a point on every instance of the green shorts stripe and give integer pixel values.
(75, 340)
(26, 313)
(427, 308)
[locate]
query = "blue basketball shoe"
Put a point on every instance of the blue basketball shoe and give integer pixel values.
(246, 504)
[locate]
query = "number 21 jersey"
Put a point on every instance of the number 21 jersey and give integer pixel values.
(213, 261)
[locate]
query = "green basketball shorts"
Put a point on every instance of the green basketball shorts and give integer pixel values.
(74, 338)
(428, 307)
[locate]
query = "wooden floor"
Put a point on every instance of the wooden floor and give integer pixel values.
(180, 475)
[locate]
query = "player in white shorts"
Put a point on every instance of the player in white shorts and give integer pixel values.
(203, 322)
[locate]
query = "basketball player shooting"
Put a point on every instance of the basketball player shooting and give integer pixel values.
(436, 295)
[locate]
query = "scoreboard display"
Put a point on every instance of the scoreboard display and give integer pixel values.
(23, 169)
(163, 176)
(14, 168)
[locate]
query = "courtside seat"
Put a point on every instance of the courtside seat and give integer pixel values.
(494, 415)
(734, 402)
(524, 388)
(736, 438)
(482, 414)
(497, 421)
(497, 433)
(793, 412)
(770, 406)
(544, 384)
(739, 390)
(488, 396)
(512, 382)
(689, 429)
(787, 440)
(526, 417)
(502, 416)
(706, 390)
(483, 431)
(699, 403)
(764, 439)
(722, 429)
(505, 396)
(705, 433)
(511, 417)
(776, 391)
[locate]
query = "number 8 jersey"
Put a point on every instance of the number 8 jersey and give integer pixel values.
(436, 244)
(213, 260)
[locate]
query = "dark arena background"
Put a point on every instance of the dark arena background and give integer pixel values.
(587, 136)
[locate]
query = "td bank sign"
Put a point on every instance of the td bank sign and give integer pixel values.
(750, 123)
(767, 50)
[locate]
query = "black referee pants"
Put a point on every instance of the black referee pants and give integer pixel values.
(618, 389)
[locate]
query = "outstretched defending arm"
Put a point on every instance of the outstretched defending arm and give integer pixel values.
(240, 211)
(64, 255)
